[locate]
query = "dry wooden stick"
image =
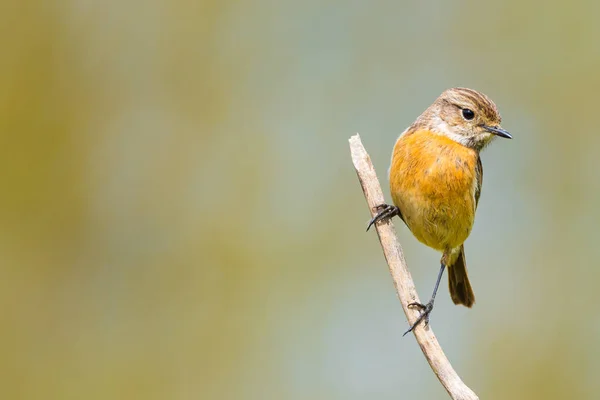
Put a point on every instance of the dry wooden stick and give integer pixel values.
(403, 282)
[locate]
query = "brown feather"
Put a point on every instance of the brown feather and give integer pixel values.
(461, 291)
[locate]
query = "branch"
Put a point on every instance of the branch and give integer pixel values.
(403, 282)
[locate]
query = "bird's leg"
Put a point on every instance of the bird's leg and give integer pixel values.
(385, 212)
(426, 308)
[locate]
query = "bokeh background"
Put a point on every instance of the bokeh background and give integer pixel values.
(180, 219)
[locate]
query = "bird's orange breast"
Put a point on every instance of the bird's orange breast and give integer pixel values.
(432, 182)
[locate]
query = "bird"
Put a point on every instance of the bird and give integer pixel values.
(435, 181)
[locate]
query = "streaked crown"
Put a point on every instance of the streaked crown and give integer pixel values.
(465, 98)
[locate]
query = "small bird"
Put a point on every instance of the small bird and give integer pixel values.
(435, 182)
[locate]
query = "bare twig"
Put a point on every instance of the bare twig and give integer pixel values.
(403, 282)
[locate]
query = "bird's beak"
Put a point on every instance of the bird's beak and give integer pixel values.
(498, 131)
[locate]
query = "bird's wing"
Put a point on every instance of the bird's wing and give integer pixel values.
(479, 177)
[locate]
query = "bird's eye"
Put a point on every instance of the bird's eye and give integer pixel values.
(468, 114)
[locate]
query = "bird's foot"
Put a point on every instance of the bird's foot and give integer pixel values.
(425, 311)
(385, 212)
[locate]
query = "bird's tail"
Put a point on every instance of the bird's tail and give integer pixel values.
(458, 280)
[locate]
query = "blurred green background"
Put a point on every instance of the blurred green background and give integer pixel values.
(180, 219)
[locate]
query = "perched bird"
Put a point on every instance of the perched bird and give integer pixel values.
(435, 181)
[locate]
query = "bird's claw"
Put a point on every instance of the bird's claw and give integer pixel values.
(425, 311)
(385, 211)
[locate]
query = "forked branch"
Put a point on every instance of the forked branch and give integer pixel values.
(403, 282)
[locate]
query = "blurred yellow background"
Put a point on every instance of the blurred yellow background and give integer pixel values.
(180, 219)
